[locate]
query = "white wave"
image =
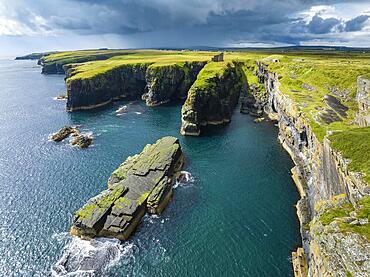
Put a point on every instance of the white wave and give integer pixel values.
(185, 178)
(90, 258)
(121, 110)
(138, 112)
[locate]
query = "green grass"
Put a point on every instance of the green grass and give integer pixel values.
(354, 144)
(363, 211)
(154, 59)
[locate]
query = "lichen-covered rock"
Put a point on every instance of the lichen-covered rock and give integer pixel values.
(63, 133)
(143, 183)
(166, 82)
(337, 248)
(212, 97)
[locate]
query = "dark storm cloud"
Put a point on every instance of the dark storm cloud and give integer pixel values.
(356, 24)
(267, 21)
(319, 25)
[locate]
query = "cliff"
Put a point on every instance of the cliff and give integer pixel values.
(143, 183)
(166, 82)
(321, 174)
(157, 84)
(212, 97)
(126, 81)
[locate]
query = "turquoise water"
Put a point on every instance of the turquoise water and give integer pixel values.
(236, 218)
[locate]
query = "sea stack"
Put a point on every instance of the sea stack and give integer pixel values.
(143, 183)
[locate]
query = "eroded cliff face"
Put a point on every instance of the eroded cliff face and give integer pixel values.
(127, 81)
(211, 100)
(320, 174)
(170, 82)
(155, 84)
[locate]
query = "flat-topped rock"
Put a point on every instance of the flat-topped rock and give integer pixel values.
(143, 183)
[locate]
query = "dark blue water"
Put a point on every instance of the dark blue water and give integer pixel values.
(237, 218)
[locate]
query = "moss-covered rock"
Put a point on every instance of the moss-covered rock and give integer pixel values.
(212, 97)
(142, 183)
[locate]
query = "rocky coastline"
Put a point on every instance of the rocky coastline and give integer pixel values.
(320, 174)
(154, 84)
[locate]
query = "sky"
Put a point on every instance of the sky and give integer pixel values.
(44, 25)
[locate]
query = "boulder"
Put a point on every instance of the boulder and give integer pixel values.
(143, 183)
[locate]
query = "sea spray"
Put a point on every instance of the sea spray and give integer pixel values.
(90, 258)
(185, 178)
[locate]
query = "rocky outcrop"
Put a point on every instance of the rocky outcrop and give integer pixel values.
(363, 99)
(167, 82)
(82, 141)
(212, 97)
(143, 183)
(320, 174)
(157, 84)
(64, 133)
(78, 139)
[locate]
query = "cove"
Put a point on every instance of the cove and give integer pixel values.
(236, 218)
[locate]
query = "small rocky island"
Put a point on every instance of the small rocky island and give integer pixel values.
(143, 183)
(78, 139)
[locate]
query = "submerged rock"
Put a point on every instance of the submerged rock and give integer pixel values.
(259, 119)
(61, 97)
(143, 183)
(63, 133)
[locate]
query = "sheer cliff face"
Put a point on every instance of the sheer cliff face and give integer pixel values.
(320, 174)
(125, 82)
(168, 82)
(155, 84)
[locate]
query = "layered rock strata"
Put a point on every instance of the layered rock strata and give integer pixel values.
(143, 183)
(212, 97)
(320, 174)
